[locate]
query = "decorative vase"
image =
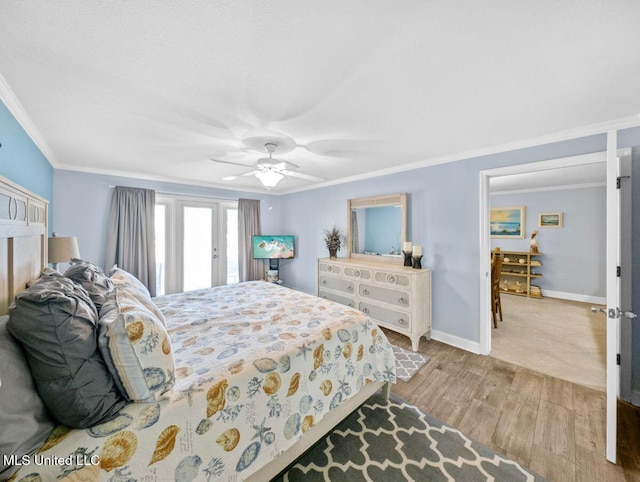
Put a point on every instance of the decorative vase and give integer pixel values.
(417, 262)
(333, 253)
(407, 257)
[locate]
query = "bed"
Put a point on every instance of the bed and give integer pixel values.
(261, 373)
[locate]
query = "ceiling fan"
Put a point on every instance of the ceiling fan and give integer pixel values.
(271, 171)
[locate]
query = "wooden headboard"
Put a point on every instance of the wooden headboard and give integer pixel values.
(23, 239)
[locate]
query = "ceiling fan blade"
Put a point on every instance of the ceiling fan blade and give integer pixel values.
(301, 176)
(252, 173)
(229, 162)
(282, 165)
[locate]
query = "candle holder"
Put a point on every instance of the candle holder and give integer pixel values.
(407, 257)
(417, 262)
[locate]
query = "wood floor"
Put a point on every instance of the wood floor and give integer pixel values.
(552, 426)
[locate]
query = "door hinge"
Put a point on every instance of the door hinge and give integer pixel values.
(618, 271)
(619, 179)
(618, 359)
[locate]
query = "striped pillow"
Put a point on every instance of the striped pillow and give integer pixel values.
(135, 345)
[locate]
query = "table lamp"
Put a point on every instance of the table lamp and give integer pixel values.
(61, 250)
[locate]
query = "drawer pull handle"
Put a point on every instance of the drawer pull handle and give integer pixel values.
(349, 289)
(329, 269)
(365, 310)
(365, 292)
(402, 321)
(324, 282)
(356, 273)
(351, 305)
(392, 279)
(403, 300)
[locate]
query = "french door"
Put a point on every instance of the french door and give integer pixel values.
(196, 244)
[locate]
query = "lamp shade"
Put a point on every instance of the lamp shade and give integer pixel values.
(61, 250)
(269, 178)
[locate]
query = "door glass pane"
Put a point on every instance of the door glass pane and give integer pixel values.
(160, 220)
(198, 236)
(232, 246)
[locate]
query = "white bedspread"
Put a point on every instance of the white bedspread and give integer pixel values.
(256, 366)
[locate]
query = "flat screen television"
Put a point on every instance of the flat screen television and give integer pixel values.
(273, 247)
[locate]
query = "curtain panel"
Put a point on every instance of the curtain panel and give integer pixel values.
(248, 226)
(131, 234)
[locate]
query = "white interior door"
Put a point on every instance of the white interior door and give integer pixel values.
(613, 292)
(618, 167)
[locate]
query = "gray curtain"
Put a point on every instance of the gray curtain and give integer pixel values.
(248, 226)
(131, 240)
(355, 242)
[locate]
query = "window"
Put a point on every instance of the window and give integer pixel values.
(196, 243)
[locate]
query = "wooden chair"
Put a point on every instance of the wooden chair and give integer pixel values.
(496, 306)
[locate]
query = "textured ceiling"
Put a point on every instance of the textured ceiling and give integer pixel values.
(156, 88)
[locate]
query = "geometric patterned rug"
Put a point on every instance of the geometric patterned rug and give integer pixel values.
(408, 363)
(392, 441)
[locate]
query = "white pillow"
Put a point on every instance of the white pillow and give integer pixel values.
(136, 346)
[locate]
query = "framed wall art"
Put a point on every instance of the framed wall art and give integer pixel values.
(550, 220)
(507, 222)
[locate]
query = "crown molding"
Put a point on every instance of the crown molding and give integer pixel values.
(575, 133)
(15, 107)
(153, 177)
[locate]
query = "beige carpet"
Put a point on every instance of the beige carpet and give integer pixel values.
(556, 337)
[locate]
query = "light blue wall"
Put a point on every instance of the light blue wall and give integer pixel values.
(443, 218)
(382, 229)
(574, 256)
(21, 160)
(83, 200)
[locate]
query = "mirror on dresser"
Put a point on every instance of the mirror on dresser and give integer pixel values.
(376, 227)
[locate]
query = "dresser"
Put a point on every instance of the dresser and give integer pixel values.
(396, 297)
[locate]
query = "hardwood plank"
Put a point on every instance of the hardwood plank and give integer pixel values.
(495, 387)
(592, 466)
(461, 388)
(629, 439)
(514, 432)
(480, 421)
(526, 388)
(429, 392)
(557, 391)
(553, 466)
(555, 430)
(518, 398)
(590, 418)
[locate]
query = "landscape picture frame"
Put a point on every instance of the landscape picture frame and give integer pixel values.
(507, 222)
(550, 220)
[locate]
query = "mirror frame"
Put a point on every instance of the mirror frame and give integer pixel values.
(375, 201)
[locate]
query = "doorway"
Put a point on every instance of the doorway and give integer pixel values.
(617, 230)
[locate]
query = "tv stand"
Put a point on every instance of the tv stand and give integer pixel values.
(274, 264)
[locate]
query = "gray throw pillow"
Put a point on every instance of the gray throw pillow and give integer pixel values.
(92, 279)
(24, 421)
(56, 322)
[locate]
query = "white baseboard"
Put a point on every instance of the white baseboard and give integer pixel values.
(596, 300)
(462, 343)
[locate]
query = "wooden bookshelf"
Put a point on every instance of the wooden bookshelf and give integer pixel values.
(519, 271)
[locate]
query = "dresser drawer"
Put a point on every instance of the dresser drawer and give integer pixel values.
(338, 299)
(337, 284)
(386, 295)
(385, 315)
(398, 279)
(330, 268)
(360, 273)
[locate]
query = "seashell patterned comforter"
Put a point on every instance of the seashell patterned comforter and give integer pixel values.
(256, 366)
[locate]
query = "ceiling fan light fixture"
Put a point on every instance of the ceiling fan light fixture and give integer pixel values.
(269, 178)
